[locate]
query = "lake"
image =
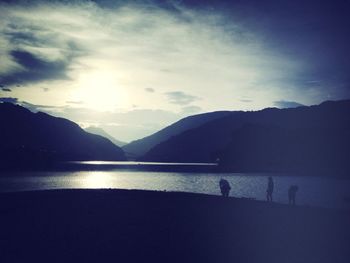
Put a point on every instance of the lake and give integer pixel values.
(313, 191)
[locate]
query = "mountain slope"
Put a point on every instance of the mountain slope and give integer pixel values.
(36, 139)
(140, 147)
(103, 133)
(267, 140)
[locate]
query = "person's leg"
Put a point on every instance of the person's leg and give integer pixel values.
(269, 197)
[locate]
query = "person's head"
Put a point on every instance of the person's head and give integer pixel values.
(270, 178)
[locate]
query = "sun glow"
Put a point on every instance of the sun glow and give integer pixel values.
(99, 91)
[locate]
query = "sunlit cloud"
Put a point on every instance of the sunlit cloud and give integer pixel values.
(151, 90)
(180, 98)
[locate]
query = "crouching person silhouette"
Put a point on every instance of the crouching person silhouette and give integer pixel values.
(224, 187)
(292, 191)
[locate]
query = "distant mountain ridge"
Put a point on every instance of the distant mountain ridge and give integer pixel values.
(312, 139)
(140, 147)
(38, 139)
(103, 133)
(315, 138)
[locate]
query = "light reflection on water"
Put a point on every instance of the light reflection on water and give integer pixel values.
(133, 163)
(315, 191)
(96, 180)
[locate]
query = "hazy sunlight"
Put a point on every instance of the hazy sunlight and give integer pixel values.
(99, 91)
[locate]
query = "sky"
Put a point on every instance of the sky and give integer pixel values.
(134, 67)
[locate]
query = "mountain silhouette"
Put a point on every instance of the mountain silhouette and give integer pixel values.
(103, 133)
(315, 138)
(139, 147)
(37, 140)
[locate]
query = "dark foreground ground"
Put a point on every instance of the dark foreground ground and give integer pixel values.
(144, 226)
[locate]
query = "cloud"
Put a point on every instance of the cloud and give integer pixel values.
(89, 54)
(287, 104)
(75, 102)
(164, 45)
(6, 89)
(24, 38)
(191, 110)
(245, 100)
(36, 108)
(151, 90)
(180, 98)
(33, 69)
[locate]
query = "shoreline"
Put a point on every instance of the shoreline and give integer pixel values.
(207, 195)
(155, 226)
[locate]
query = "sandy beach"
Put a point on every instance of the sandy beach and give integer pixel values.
(147, 226)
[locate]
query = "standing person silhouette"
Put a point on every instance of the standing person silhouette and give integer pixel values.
(224, 187)
(292, 191)
(269, 190)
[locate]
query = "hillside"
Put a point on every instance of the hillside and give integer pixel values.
(139, 147)
(37, 139)
(315, 138)
(103, 133)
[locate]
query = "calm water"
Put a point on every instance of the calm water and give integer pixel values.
(313, 191)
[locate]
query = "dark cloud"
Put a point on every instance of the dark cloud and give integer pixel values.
(6, 89)
(151, 90)
(287, 104)
(310, 31)
(34, 69)
(180, 98)
(9, 100)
